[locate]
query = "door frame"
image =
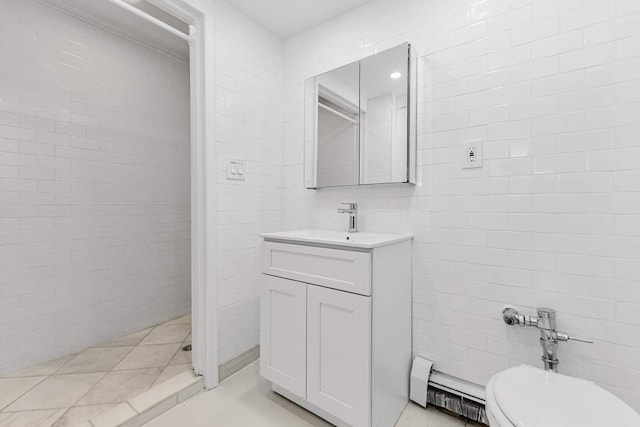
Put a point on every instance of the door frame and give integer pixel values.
(199, 14)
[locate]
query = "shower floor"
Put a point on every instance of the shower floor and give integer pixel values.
(73, 389)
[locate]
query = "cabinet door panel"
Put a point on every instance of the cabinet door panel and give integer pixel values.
(339, 354)
(283, 333)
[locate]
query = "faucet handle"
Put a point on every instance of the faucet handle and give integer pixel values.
(563, 336)
(351, 205)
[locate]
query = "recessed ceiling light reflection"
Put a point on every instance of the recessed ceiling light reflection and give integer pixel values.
(395, 75)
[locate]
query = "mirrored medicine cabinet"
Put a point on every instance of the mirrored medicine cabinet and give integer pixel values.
(360, 122)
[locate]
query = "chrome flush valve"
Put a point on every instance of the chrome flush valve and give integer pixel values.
(549, 336)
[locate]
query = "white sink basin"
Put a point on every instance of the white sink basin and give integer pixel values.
(337, 238)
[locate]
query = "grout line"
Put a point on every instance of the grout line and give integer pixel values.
(96, 372)
(46, 409)
(172, 357)
(60, 417)
(65, 364)
(162, 368)
(90, 388)
(35, 409)
(101, 345)
(3, 409)
(136, 369)
(179, 350)
(146, 335)
(134, 409)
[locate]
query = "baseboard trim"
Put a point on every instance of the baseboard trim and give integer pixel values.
(238, 363)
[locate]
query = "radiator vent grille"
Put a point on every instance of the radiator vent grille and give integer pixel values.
(457, 404)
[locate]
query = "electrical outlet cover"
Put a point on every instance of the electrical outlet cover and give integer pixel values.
(472, 154)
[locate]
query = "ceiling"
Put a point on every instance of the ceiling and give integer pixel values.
(287, 18)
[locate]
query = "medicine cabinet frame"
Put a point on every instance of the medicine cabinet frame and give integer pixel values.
(320, 99)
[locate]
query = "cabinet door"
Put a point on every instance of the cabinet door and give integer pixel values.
(283, 333)
(339, 354)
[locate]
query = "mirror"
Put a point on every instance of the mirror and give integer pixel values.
(338, 116)
(360, 122)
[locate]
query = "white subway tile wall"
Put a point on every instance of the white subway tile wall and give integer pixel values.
(248, 76)
(552, 219)
(94, 185)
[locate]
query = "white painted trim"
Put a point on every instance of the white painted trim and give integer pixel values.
(155, 21)
(199, 15)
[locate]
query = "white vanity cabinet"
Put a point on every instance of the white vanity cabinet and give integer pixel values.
(335, 325)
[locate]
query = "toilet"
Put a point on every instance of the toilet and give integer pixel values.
(525, 396)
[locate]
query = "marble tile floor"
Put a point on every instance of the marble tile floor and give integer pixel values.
(70, 390)
(245, 399)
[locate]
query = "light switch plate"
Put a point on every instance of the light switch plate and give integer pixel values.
(472, 154)
(236, 169)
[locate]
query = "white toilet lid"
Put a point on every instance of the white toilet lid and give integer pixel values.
(531, 397)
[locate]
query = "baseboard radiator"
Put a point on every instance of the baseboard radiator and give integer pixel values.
(455, 395)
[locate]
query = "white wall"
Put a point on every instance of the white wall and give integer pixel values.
(553, 217)
(94, 185)
(249, 126)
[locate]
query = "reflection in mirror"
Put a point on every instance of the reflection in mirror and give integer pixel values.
(338, 116)
(383, 116)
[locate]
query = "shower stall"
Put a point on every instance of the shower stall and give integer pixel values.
(95, 199)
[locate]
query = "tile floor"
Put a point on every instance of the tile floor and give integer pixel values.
(245, 399)
(70, 390)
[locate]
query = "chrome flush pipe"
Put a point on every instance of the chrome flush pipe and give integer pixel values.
(549, 336)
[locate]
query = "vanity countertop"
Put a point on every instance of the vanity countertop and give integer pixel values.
(337, 238)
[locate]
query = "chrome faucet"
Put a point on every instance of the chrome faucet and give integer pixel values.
(549, 336)
(352, 210)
